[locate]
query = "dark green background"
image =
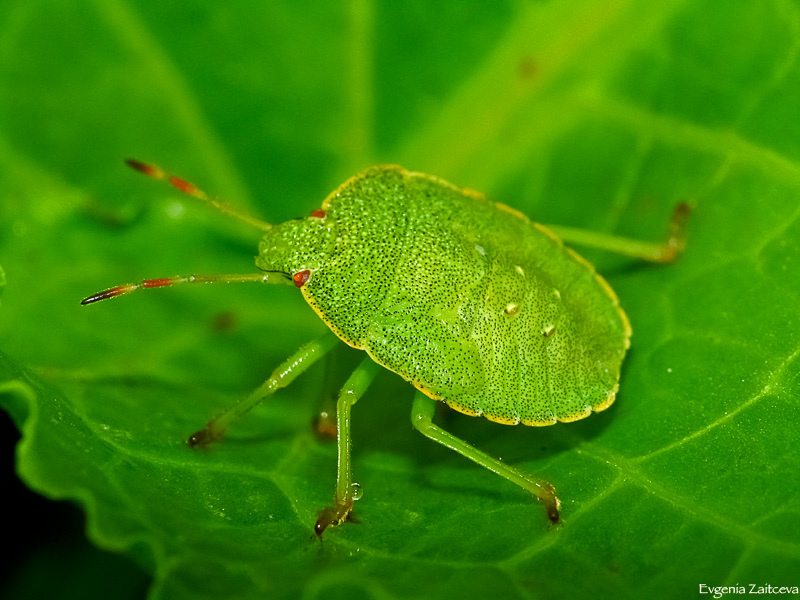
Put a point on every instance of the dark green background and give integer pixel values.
(596, 114)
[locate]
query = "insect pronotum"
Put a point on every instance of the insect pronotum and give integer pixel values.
(489, 312)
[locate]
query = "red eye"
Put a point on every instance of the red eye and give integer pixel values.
(319, 213)
(301, 277)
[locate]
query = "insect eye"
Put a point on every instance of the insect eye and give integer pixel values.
(301, 277)
(318, 213)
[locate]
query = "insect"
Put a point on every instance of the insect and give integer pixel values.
(466, 299)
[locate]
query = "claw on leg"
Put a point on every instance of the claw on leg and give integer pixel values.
(335, 515)
(551, 505)
(210, 434)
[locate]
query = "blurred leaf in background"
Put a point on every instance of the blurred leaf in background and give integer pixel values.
(594, 114)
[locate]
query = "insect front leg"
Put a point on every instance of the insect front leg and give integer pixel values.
(293, 366)
(421, 417)
(346, 494)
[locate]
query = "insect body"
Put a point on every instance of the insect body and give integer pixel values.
(466, 299)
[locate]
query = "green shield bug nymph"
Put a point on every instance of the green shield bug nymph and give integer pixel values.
(468, 300)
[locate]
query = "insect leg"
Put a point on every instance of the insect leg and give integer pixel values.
(293, 366)
(666, 251)
(353, 389)
(421, 417)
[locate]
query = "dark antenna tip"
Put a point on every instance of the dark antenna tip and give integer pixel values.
(144, 168)
(109, 293)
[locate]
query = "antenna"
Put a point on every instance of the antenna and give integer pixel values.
(121, 290)
(195, 192)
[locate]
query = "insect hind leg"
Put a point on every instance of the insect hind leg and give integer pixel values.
(662, 252)
(422, 419)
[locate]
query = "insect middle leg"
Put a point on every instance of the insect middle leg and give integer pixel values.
(421, 417)
(353, 389)
(293, 366)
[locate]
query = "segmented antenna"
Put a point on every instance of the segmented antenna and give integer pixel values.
(121, 290)
(195, 192)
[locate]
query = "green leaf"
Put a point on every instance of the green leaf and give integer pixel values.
(591, 114)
